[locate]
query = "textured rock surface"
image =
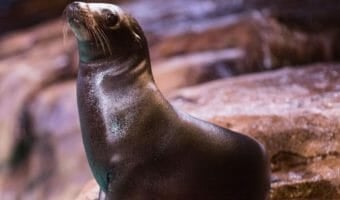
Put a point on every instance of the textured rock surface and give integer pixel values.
(56, 166)
(20, 13)
(311, 15)
(294, 113)
(30, 74)
(324, 15)
(89, 192)
(233, 46)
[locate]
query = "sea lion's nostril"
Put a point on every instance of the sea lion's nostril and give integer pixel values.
(74, 6)
(72, 9)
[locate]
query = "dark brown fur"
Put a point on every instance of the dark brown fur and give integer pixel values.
(138, 145)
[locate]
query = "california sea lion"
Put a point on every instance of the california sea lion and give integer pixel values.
(139, 146)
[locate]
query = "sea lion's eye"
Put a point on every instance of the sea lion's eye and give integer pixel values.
(111, 19)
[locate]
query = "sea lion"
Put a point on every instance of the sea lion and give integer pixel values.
(138, 146)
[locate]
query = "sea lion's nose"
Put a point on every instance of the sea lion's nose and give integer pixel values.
(74, 6)
(72, 9)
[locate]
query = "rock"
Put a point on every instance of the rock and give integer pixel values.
(265, 43)
(293, 112)
(20, 13)
(26, 74)
(21, 42)
(23, 75)
(56, 166)
(173, 16)
(248, 43)
(309, 15)
(90, 191)
(316, 15)
(177, 72)
(317, 179)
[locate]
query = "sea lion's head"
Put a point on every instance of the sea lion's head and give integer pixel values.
(105, 33)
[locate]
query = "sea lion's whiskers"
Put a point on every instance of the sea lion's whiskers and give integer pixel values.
(100, 38)
(94, 36)
(92, 27)
(106, 40)
(90, 30)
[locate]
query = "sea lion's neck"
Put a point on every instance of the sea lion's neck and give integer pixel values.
(120, 94)
(124, 67)
(88, 51)
(115, 108)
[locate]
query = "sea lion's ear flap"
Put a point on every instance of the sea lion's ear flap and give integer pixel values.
(136, 31)
(138, 39)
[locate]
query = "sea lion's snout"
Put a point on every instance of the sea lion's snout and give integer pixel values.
(74, 6)
(72, 9)
(104, 30)
(73, 13)
(79, 20)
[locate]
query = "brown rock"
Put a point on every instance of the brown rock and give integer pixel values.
(316, 15)
(23, 41)
(182, 71)
(293, 112)
(266, 43)
(56, 167)
(18, 13)
(173, 15)
(316, 179)
(90, 191)
(22, 76)
(261, 43)
(310, 15)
